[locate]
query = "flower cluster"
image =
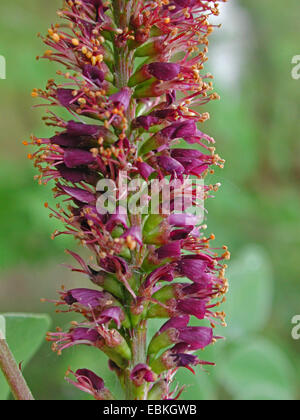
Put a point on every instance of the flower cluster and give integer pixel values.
(127, 103)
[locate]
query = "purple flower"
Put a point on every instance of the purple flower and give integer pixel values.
(184, 360)
(118, 218)
(179, 234)
(76, 336)
(114, 313)
(142, 373)
(185, 3)
(85, 297)
(194, 165)
(164, 71)
(86, 130)
(193, 268)
(79, 194)
(85, 376)
(171, 250)
(181, 129)
(74, 175)
(94, 74)
(192, 306)
(65, 139)
(100, 9)
(66, 97)
(170, 165)
(87, 381)
(146, 121)
(77, 157)
(84, 334)
(187, 360)
(182, 220)
(164, 273)
(195, 338)
(177, 322)
(121, 98)
(145, 170)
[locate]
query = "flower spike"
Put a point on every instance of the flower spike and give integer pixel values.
(128, 161)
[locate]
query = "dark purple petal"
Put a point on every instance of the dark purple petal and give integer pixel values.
(199, 288)
(94, 74)
(118, 218)
(164, 273)
(100, 8)
(171, 250)
(181, 129)
(179, 234)
(182, 220)
(185, 3)
(114, 313)
(73, 175)
(114, 264)
(195, 307)
(170, 165)
(79, 194)
(186, 129)
(86, 297)
(177, 322)
(145, 170)
(65, 140)
(122, 98)
(89, 378)
(186, 154)
(183, 360)
(163, 114)
(142, 373)
(66, 97)
(164, 71)
(147, 121)
(80, 129)
(196, 337)
(192, 268)
(85, 334)
(77, 157)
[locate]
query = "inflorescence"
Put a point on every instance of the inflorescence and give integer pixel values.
(129, 102)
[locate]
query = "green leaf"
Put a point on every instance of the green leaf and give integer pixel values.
(249, 301)
(257, 369)
(24, 334)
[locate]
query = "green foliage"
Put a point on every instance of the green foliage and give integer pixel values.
(257, 369)
(24, 335)
(251, 281)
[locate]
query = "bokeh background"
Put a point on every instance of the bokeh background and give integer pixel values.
(256, 212)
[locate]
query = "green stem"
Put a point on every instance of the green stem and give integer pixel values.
(139, 355)
(139, 342)
(124, 66)
(13, 374)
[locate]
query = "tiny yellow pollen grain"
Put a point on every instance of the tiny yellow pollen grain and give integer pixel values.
(75, 42)
(56, 37)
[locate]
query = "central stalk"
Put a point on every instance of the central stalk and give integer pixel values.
(124, 68)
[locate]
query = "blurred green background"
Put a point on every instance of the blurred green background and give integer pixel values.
(256, 212)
